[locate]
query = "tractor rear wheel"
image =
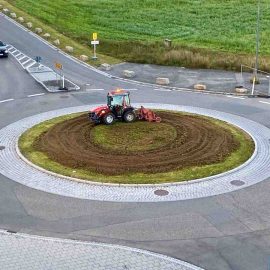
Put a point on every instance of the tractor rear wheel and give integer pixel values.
(108, 119)
(129, 116)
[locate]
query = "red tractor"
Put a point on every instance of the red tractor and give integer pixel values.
(118, 108)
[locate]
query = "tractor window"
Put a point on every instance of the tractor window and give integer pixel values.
(127, 100)
(116, 100)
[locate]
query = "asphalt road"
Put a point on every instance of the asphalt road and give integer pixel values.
(229, 231)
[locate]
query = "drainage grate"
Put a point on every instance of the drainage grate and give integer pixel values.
(2, 147)
(237, 183)
(64, 96)
(161, 192)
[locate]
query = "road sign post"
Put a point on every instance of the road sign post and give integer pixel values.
(38, 60)
(60, 67)
(95, 42)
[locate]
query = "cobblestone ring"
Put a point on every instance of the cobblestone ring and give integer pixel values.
(256, 169)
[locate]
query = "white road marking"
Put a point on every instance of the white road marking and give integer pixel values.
(163, 90)
(35, 95)
(235, 97)
(265, 102)
(19, 55)
(21, 58)
(6, 100)
(33, 63)
(95, 89)
(26, 61)
(12, 50)
(132, 89)
(16, 53)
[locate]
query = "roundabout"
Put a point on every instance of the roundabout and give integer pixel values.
(183, 147)
(252, 171)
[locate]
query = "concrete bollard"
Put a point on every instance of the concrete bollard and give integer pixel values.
(46, 35)
(56, 42)
(106, 66)
(129, 73)
(167, 43)
(163, 81)
(13, 15)
(29, 25)
(69, 49)
(38, 30)
(200, 86)
(6, 10)
(21, 19)
(241, 90)
(84, 58)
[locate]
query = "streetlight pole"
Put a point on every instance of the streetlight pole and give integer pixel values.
(257, 40)
(268, 85)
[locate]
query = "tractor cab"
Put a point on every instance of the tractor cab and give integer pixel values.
(118, 101)
(118, 108)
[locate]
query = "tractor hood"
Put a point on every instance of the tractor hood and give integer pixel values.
(100, 108)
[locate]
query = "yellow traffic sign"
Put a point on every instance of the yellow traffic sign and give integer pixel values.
(58, 65)
(94, 36)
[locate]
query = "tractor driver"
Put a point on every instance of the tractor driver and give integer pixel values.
(117, 104)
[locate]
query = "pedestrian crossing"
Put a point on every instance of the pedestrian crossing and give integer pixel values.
(24, 60)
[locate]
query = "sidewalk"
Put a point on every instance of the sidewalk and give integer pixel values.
(24, 252)
(180, 77)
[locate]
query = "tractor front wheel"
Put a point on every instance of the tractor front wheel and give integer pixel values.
(129, 116)
(108, 119)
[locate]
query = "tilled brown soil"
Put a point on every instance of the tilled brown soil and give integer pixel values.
(199, 142)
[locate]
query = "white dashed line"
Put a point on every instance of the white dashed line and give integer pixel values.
(6, 100)
(132, 89)
(235, 97)
(35, 95)
(89, 90)
(162, 90)
(265, 102)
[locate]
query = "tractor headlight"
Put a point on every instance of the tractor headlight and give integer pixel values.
(6, 51)
(102, 111)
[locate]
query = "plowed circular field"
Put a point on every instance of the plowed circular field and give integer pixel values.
(197, 141)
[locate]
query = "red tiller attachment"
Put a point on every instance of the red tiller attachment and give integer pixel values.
(148, 115)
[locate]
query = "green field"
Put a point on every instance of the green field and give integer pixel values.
(134, 29)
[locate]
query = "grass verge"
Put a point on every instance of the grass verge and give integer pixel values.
(242, 154)
(205, 34)
(79, 48)
(138, 136)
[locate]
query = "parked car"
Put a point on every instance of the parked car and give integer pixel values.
(3, 49)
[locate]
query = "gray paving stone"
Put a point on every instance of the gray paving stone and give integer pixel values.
(24, 252)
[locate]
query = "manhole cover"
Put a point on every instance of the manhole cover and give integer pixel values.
(2, 147)
(161, 192)
(237, 183)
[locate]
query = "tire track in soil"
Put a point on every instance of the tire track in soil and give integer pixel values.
(198, 142)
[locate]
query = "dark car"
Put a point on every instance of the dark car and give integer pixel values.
(3, 49)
